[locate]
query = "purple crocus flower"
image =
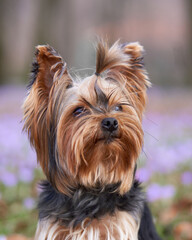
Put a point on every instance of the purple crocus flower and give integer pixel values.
(2, 237)
(143, 174)
(153, 192)
(186, 178)
(8, 179)
(168, 191)
(29, 203)
(26, 174)
(156, 192)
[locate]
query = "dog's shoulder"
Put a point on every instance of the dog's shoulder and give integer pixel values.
(147, 228)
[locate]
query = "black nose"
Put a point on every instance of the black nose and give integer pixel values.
(109, 124)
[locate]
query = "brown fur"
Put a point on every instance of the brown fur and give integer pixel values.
(121, 226)
(76, 143)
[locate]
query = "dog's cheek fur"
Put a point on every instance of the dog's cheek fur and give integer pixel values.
(48, 73)
(88, 161)
(74, 161)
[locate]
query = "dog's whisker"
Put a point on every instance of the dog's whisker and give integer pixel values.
(87, 133)
(151, 135)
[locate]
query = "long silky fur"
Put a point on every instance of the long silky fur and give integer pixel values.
(121, 226)
(34, 71)
(90, 192)
(88, 203)
(108, 58)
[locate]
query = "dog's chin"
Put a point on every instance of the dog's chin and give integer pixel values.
(108, 138)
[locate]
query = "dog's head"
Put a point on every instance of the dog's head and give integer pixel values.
(87, 131)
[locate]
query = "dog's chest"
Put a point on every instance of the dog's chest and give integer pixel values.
(120, 226)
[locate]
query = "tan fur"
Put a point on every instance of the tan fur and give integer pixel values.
(80, 154)
(121, 226)
(84, 153)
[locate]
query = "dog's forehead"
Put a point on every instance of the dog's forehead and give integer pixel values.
(86, 87)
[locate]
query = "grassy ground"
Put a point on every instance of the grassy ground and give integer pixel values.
(164, 166)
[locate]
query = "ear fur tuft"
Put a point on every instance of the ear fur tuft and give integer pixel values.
(108, 58)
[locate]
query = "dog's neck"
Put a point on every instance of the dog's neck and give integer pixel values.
(87, 203)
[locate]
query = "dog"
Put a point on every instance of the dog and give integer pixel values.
(88, 134)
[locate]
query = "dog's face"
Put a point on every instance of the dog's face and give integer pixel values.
(88, 132)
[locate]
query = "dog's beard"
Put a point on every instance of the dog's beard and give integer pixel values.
(91, 157)
(73, 150)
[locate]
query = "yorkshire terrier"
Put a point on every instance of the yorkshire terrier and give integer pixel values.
(88, 134)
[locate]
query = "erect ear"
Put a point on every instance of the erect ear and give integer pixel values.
(134, 74)
(136, 64)
(47, 69)
(47, 66)
(134, 49)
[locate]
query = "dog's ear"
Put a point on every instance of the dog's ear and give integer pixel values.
(124, 64)
(48, 69)
(135, 64)
(136, 76)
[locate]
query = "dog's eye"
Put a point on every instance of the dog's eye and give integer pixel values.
(78, 111)
(118, 108)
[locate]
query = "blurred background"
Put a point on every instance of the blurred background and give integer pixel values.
(164, 28)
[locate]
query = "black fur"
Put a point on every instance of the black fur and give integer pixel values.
(102, 99)
(52, 166)
(88, 203)
(35, 65)
(34, 71)
(137, 62)
(147, 228)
